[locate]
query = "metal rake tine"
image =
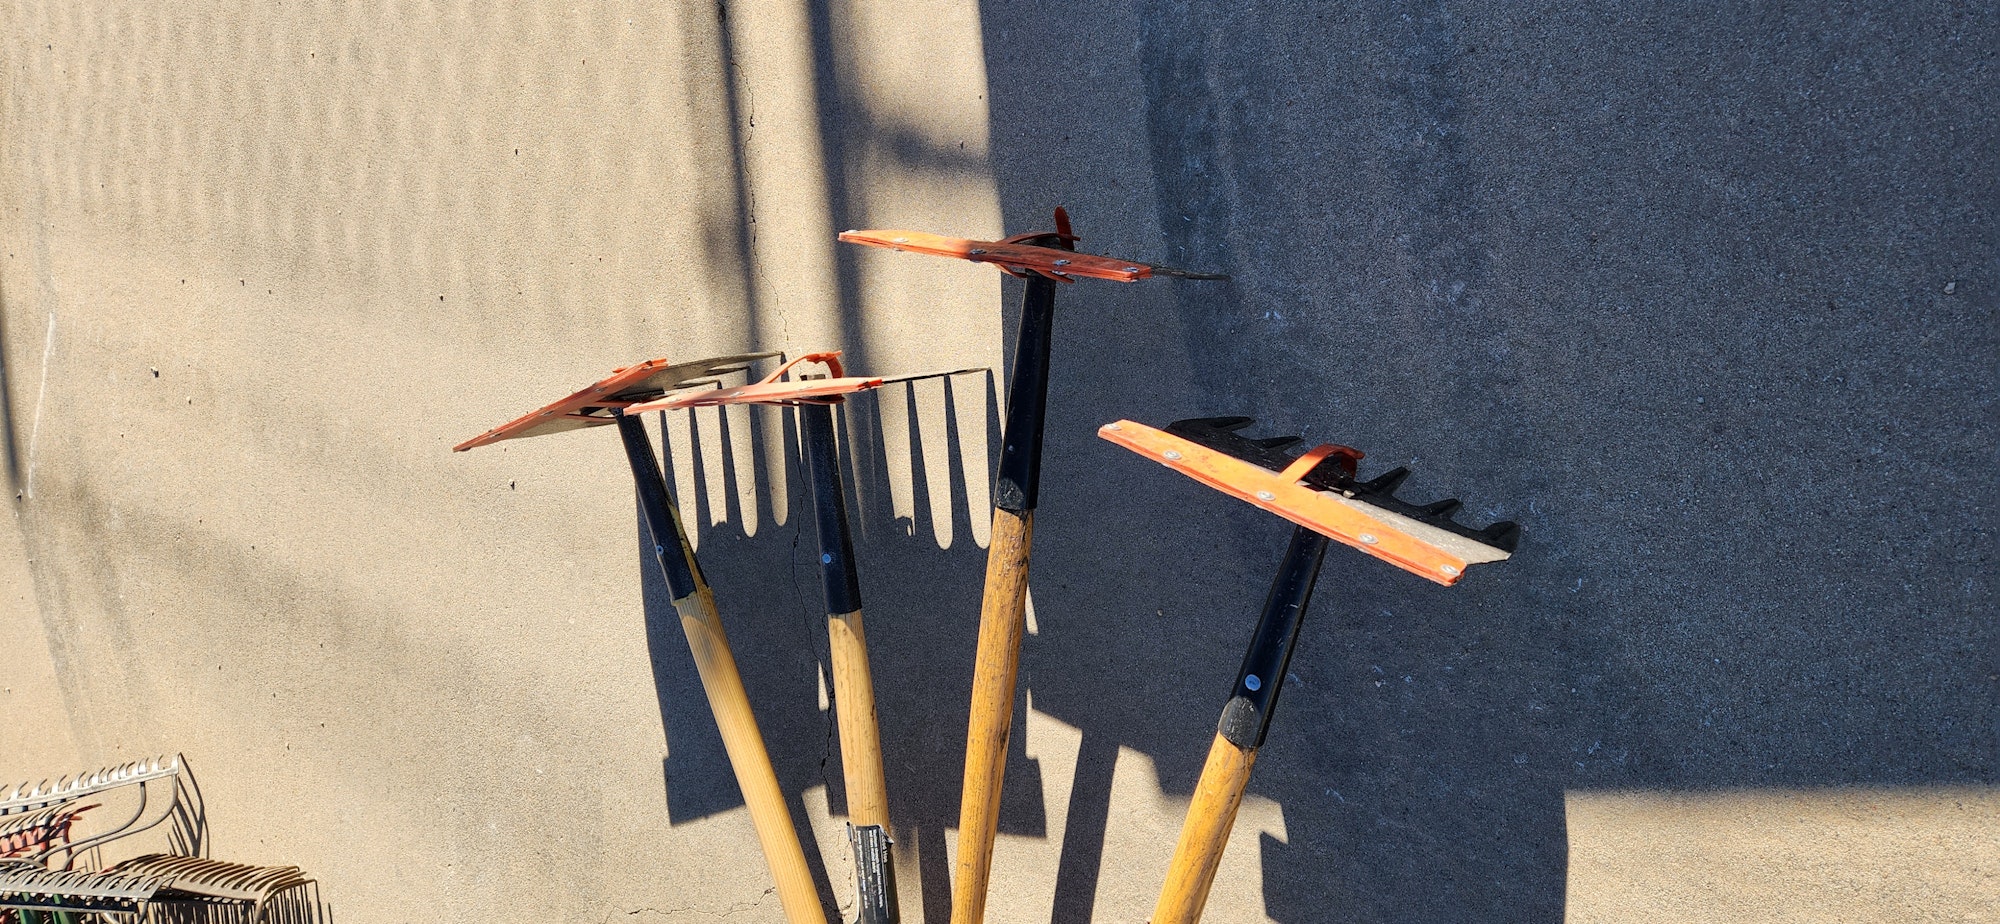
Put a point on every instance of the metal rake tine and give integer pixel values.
(1178, 273)
(1444, 508)
(1505, 534)
(1385, 483)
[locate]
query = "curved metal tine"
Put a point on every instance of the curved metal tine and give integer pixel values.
(73, 848)
(70, 849)
(189, 832)
(25, 796)
(916, 376)
(61, 890)
(46, 823)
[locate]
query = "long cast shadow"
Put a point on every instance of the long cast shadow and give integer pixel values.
(1582, 278)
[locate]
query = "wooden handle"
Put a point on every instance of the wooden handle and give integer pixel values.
(754, 775)
(1002, 620)
(860, 738)
(1205, 833)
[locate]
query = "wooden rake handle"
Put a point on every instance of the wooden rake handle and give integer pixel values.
(730, 703)
(722, 682)
(1002, 622)
(1211, 815)
(1245, 720)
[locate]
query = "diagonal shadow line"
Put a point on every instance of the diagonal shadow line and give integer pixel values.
(1081, 859)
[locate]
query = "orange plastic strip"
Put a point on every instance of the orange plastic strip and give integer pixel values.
(809, 391)
(1053, 262)
(1282, 494)
(770, 390)
(570, 413)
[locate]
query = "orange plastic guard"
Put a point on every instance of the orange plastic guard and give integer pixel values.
(1414, 546)
(772, 390)
(623, 389)
(1019, 259)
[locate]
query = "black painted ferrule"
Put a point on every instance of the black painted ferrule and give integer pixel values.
(1248, 715)
(874, 875)
(1027, 400)
(836, 545)
(663, 522)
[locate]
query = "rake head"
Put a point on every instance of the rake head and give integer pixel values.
(774, 389)
(1023, 255)
(1320, 491)
(622, 390)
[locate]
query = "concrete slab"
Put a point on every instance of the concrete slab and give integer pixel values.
(1705, 300)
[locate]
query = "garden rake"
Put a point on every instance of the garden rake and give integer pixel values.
(853, 686)
(609, 402)
(1318, 492)
(1003, 608)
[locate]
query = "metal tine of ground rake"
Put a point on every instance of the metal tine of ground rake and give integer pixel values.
(27, 885)
(31, 795)
(143, 774)
(1318, 491)
(212, 879)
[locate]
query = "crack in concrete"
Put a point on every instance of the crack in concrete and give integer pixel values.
(695, 909)
(746, 187)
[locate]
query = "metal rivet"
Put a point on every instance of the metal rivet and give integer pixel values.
(1062, 262)
(1448, 570)
(659, 550)
(1252, 684)
(1113, 426)
(976, 251)
(1369, 539)
(825, 559)
(1266, 496)
(899, 240)
(1172, 454)
(1131, 269)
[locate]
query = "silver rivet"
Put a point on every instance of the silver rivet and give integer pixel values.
(659, 550)
(825, 559)
(1448, 570)
(1251, 683)
(899, 240)
(1062, 262)
(1172, 454)
(976, 251)
(1369, 539)
(1131, 269)
(1266, 496)
(1113, 427)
